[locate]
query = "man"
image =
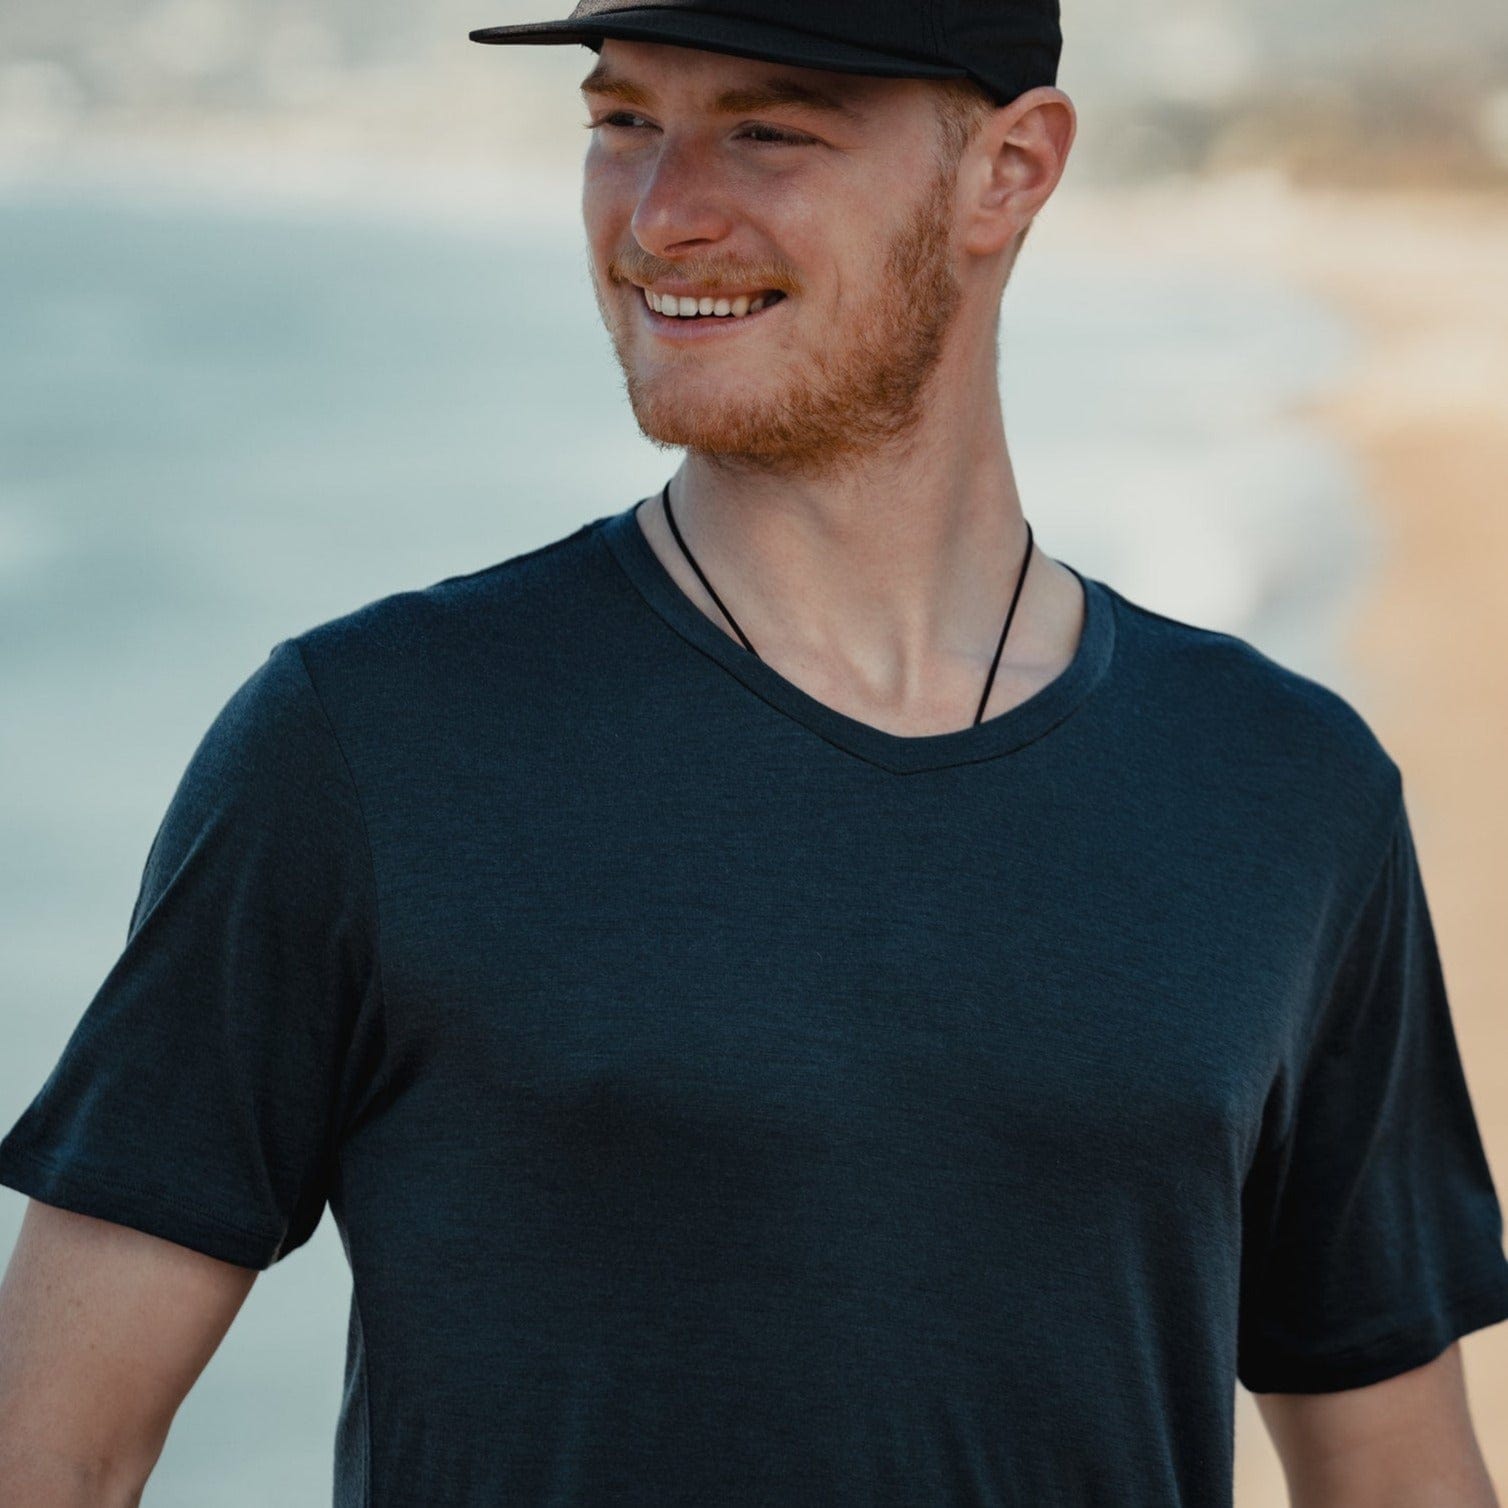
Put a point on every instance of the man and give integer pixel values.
(792, 995)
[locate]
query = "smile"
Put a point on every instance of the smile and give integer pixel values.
(739, 306)
(713, 317)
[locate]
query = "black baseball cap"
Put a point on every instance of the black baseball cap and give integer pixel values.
(1008, 46)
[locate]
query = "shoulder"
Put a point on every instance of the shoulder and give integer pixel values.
(1213, 701)
(509, 613)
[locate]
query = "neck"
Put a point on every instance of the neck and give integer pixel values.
(881, 592)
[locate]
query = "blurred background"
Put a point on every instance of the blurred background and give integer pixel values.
(296, 313)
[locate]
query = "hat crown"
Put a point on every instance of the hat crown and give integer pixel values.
(909, 28)
(928, 30)
(1008, 46)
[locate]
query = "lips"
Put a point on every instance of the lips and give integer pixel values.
(719, 306)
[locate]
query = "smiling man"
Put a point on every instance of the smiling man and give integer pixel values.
(928, 1058)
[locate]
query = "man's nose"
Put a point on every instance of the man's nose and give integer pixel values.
(681, 198)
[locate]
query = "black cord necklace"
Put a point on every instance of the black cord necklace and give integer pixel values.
(744, 638)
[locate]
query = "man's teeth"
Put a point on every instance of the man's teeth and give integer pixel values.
(685, 308)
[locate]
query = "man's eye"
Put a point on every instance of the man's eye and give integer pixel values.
(778, 137)
(770, 135)
(611, 120)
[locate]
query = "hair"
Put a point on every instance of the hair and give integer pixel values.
(963, 105)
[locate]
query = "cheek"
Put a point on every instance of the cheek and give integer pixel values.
(607, 199)
(826, 239)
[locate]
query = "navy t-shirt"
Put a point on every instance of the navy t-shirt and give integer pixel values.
(724, 1101)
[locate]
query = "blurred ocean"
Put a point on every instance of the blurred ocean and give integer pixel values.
(225, 419)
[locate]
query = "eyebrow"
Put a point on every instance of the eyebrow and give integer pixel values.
(778, 89)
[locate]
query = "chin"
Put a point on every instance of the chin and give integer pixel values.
(693, 409)
(672, 425)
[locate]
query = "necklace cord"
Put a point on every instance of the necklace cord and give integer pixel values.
(744, 639)
(712, 591)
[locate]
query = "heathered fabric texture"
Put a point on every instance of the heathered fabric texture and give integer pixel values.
(724, 1101)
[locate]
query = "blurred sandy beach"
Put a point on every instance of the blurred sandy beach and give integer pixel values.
(1424, 411)
(1427, 416)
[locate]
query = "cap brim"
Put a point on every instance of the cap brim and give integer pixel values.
(730, 34)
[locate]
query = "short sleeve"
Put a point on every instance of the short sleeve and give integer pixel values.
(200, 1095)
(1372, 1233)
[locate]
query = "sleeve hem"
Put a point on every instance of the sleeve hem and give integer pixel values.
(1401, 1350)
(155, 1214)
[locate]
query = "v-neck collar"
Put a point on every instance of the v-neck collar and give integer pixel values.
(901, 754)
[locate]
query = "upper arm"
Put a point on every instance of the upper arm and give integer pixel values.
(103, 1331)
(1392, 1441)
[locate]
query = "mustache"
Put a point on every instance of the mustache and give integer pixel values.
(711, 279)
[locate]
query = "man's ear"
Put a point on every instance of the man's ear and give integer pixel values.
(1012, 166)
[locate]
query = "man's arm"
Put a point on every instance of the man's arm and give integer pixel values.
(103, 1331)
(1405, 1442)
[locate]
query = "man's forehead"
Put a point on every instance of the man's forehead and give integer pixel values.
(746, 85)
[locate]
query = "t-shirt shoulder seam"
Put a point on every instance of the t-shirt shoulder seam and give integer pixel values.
(1341, 956)
(361, 812)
